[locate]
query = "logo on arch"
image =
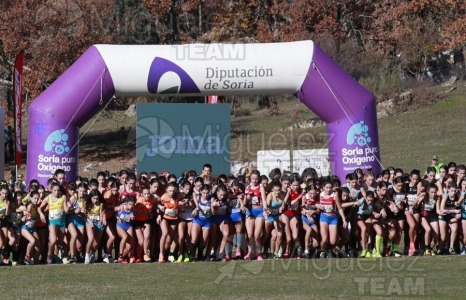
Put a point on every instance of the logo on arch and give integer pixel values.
(57, 142)
(358, 134)
(166, 77)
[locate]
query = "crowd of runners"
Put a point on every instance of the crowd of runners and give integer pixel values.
(149, 217)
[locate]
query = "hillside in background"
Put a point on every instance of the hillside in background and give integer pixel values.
(408, 138)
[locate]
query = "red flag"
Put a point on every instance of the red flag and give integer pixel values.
(18, 93)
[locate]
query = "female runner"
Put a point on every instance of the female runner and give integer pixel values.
(169, 221)
(143, 212)
(255, 199)
(429, 206)
(95, 223)
(58, 207)
(77, 222)
(310, 218)
(329, 206)
(201, 222)
(290, 216)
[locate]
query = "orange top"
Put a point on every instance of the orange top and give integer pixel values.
(171, 207)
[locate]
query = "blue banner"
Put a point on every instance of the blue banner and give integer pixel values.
(180, 137)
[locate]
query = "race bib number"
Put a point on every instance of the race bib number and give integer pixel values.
(328, 208)
(94, 218)
(428, 207)
(255, 200)
(205, 211)
(56, 214)
(126, 218)
(30, 223)
(233, 203)
(411, 199)
(171, 212)
(294, 206)
(15, 218)
(274, 211)
(398, 199)
(365, 212)
(2, 212)
(310, 207)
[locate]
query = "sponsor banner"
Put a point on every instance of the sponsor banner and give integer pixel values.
(182, 137)
(354, 145)
(53, 150)
(208, 69)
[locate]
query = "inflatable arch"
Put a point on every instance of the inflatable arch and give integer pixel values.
(298, 68)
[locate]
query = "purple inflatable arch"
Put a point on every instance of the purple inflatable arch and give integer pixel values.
(298, 68)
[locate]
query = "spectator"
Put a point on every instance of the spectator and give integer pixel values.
(436, 164)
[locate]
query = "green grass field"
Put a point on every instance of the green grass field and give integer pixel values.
(405, 277)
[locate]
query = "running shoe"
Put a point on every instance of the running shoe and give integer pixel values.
(463, 251)
(238, 253)
(138, 261)
(259, 257)
(49, 260)
(247, 256)
(277, 255)
(132, 260)
(299, 251)
(87, 259)
(368, 254)
(106, 258)
(342, 254)
(187, 258)
(72, 260)
(227, 258)
(180, 259)
(66, 260)
(306, 255)
(125, 260)
(386, 251)
(363, 253)
(427, 252)
(452, 251)
(171, 258)
(27, 260)
(92, 258)
(286, 255)
(323, 254)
